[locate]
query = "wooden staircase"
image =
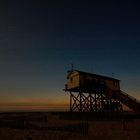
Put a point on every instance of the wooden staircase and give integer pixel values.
(129, 101)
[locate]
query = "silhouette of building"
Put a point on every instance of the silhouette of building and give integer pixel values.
(96, 93)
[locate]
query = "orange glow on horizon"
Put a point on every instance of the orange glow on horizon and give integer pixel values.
(34, 104)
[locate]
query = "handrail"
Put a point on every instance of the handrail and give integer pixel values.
(131, 97)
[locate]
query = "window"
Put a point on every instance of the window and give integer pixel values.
(71, 79)
(116, 84)
(103, 81)
(98, 80)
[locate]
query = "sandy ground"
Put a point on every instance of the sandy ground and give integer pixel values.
(50, 126)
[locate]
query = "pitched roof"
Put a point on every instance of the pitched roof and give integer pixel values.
(92, 74)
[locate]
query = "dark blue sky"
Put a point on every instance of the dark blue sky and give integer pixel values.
(39, 40)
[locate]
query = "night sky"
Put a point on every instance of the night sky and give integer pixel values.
(40, 39)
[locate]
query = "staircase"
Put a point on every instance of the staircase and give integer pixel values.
(129, 101)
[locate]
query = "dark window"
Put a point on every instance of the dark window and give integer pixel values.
(71, 79)
(103, 82)
(99, 80)
(116, 84)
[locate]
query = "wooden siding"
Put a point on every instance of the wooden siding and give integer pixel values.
(113, 85)
(76, 79)
(73, 80)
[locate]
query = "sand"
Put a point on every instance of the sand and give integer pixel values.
(52, 126)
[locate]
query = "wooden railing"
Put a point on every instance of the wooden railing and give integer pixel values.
(131, 97)
(129, 101)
